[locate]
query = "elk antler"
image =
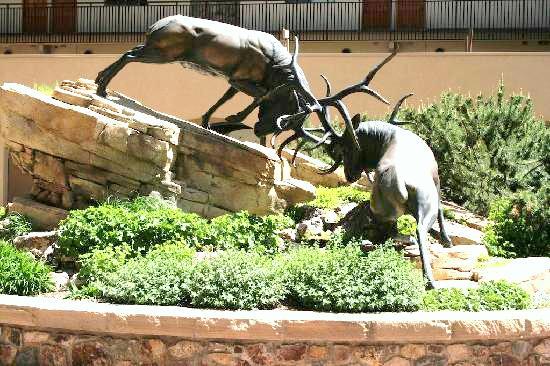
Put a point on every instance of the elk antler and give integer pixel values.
(393, 115)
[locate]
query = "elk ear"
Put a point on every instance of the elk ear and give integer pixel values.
(356, 120)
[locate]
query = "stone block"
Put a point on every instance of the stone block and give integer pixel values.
(459, 234)
(317, 352)
(53, 355)
(39, 241)
(450, 274)
(291, 352)
(294, 191)
(90, 353)
(185, 349)
(42, 216)
(34, 337)
(7, 354)
(87, 188)
(413, 351)
(70, 97)
(49, 169)
(148, 148)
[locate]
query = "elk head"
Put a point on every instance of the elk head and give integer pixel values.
(339, 147)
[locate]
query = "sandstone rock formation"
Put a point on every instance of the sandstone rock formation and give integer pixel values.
(81, 148)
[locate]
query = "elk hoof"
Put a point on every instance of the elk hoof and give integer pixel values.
(206, 122)
(101, 92)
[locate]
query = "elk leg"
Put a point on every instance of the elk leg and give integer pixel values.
(239, 117)
(230, 93)
(137, 54)
(444, 237)
(426, 213)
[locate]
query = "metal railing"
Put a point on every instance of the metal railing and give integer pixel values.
(329, 20)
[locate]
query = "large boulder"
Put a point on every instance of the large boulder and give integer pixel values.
(80, 148)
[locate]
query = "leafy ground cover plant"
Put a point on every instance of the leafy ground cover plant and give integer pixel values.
(147, 221)
(493, 295)
(328, 198)
(242, 230)
(139, 224)
(21, 274)
(161, 277)
(345, 280)
(45, 88)
(13, 225)
(519, 225)
(237, 280)
(406, 225)
(486, 147)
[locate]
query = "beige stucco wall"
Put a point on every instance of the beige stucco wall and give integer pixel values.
(187, 94)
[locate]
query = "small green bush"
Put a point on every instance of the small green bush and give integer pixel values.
(328, 198)
(333, 197)
(237, 280)
(95, 265)
(344, 280)
(3, 212)
(161, 277)
(485, 147)
(242, 230)
(140, 224)
(406, 225)
(14, 225)
(493, 295)
(21, 274)
(519, 225)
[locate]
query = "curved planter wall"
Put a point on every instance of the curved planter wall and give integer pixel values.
(61, 332)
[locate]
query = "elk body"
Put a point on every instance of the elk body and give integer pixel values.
(406, 178)
(253, 62)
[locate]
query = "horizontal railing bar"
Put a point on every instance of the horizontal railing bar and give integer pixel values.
(93, 22)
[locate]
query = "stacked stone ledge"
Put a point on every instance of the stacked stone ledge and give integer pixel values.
(43, 331)
(81, 148)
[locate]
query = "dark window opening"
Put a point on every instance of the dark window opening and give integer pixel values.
(125, 2)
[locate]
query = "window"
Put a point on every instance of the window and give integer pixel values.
(125, 2)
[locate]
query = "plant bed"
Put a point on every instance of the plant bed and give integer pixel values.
(146, 251)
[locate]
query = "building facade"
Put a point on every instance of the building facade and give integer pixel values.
(345, 25)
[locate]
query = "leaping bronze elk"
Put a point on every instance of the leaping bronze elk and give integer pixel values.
(253, 62)
(406, 178)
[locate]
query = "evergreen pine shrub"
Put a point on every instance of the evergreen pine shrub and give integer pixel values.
(486, 147)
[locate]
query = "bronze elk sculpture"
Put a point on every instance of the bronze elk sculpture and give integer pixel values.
(257, 64)
(253, 62)
(406, 178)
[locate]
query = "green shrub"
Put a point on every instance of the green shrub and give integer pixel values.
(485, 146)
(14, 225)
(519, 225)
(45, 88)
(493, 295)
(100, 262)
(406, 225)
(3, 212)
(140, 224)
(327, 198)
(242, 230)
(333, 197)
(161, 277)
(237, 280)
(344, 280)
(21, 274)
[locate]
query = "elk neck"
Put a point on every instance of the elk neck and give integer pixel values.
(374, 137)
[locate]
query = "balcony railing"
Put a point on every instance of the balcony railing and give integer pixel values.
(328, 20)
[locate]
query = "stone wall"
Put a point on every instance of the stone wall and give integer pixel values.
(59, 332)
(80, 148)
